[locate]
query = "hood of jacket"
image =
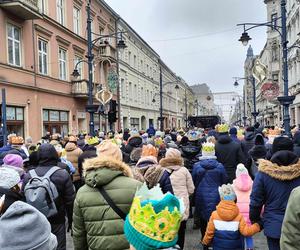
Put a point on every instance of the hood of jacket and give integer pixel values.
(258, 151)
(243, 182)
(284, 158)
(70, 147)
(146, 161)
(135, 141)
(209, 163)
(47, 155)
(171, 163)
(224, 139)
(249, 136)
(282, 173)
(227, 210)
(100, 171)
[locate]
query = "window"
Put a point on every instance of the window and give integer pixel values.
(135, 122)
(142, 66)
(135, 92)
(274, 20)
(15, 120)
(123, 88)
(14, 45)
(129, 57)
(275, 78)
(130, 91)
(274, 52)
(77, 59)
(60, 4)
(56, 121)
(43, 56)
(147, 70)
(134, 61)
(42, 6)
(62, 61)
(76, 20)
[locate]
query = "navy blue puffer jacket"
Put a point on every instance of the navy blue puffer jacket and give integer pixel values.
(208, 175)
(271, 188)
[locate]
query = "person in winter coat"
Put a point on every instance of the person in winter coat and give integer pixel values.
(233, 135)
(89, 151)
(208, 175)
(226, 226)
(48, 158)
(228, 152)
(95, 224)
(182, 185)
(14, 147)
(242, 186)
(134, 141)
(147, 170)
(248, 141)
(191, 149)
(151, 131)
(24, 227)
(296, 142)
(72, 154)
(258, 151)
(272, 186)
(290, 232)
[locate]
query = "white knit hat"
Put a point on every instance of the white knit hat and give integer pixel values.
(8, 177)
(240, 169)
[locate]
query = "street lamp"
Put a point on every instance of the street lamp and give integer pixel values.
(286, 100)
(90, 57)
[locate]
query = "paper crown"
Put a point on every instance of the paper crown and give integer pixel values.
(93, 141)
(17, 140)
(222, 128)
(208, 147)
(154, 219)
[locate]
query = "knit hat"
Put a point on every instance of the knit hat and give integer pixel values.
(227, 193)
(8, 178)
(24, 227)
(282, 143)
(240, 169)
(154, 220)
(109, 149)
(173, 153)
(13, 160)
(159, 134)
(208, 151)
(233, 131)
(149, 150)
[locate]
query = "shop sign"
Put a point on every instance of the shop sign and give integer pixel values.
(270, 90)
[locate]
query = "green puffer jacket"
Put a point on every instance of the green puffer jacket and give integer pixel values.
(290, 232)
(95, 224)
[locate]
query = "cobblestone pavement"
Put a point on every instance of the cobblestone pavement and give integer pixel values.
(192, 240)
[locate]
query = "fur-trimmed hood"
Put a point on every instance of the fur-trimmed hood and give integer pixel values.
(283, 173)
(101, 170)
(171, 162)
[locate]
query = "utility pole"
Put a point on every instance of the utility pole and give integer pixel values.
(161, 101)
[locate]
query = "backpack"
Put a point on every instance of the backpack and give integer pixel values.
(41, 193)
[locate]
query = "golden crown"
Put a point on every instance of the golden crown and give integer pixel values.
(162, 226)
(208, 147)
(222, 128)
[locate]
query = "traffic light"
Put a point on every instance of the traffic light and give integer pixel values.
(112, 113)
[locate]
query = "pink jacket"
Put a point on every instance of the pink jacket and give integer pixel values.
(242, 186)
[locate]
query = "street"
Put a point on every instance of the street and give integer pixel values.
(192, 238)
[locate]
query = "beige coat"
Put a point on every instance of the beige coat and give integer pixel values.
(72, 153)
(181, 180)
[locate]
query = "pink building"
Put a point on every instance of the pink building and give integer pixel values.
(41, 41)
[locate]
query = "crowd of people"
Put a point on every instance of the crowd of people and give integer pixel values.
(137, 189)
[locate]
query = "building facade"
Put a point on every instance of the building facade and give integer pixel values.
(204, 100)
(42, 42)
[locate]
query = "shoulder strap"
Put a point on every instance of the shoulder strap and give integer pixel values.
(51, 171)
(111, 203)
(33, 173)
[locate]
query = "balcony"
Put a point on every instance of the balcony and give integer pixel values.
(106, 50)
(24, 9)
(80, 88)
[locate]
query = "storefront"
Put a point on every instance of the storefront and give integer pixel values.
(15, 120)
(56, 121)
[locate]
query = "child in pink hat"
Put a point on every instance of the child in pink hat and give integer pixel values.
(242, 186)
(15, 162)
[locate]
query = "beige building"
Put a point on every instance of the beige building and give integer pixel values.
(41, 43)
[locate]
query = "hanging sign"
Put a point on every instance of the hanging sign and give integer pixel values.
(270, 91)
(103, 96)
(259, 71)
(112, 79)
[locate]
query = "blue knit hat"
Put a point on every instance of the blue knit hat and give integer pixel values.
(153, 224)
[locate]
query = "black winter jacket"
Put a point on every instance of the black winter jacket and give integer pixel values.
(88, 153)
(230, 154)
(48, 158)
(248, 143)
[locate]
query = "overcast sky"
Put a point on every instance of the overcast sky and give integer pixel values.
(197, 39)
